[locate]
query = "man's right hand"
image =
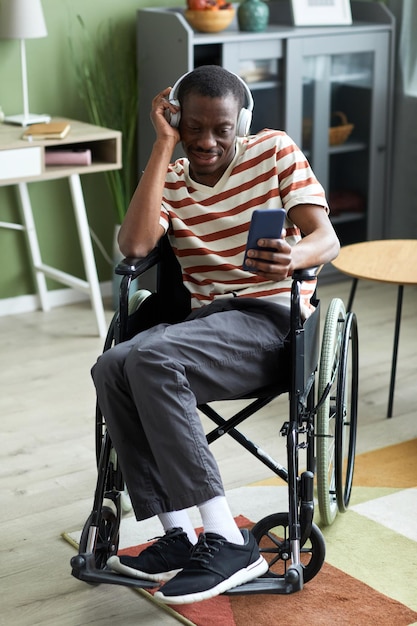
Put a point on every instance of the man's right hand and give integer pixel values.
(159, 112)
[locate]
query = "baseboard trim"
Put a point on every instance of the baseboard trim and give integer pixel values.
(57, 297)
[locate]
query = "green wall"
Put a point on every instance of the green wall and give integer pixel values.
(52, 90)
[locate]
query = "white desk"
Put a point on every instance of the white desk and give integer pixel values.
(22, 162)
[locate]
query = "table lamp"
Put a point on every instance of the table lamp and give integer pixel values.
(23, 19)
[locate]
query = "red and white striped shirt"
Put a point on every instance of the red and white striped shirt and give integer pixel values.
(208, 226)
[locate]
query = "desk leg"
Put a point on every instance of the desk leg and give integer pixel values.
(34, 250)
(395, 349)
(87, 252)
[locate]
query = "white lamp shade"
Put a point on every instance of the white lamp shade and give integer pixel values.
(22, 19)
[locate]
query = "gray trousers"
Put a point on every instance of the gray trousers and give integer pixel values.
(148, 389)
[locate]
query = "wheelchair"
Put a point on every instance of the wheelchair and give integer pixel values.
(322, 388)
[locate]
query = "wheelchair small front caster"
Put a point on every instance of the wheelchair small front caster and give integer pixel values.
(272, 535)
(107, 538)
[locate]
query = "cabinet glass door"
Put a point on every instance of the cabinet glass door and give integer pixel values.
(335, 116)
(261, 66)
(341, 85)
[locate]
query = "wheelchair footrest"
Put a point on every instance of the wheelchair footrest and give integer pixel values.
(290, 583)
(84, 568)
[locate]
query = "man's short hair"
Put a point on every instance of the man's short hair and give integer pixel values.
(212, 81)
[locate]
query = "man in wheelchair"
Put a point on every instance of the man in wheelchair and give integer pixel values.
(234, 340)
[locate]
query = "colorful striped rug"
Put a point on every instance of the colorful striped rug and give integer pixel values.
(369, 576)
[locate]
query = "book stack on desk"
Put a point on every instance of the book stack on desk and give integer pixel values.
(51, 130)
(54, 155)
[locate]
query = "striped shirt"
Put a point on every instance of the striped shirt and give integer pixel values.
(208, 226)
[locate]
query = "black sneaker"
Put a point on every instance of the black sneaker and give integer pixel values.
(215, 566)
(159, 562)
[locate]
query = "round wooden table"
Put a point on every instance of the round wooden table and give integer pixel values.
(387, 261)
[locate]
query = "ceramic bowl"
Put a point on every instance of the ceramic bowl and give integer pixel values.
(210, 21)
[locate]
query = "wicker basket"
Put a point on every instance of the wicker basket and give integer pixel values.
(339, 134)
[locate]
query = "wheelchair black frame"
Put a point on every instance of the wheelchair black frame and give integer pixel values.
(302, 411)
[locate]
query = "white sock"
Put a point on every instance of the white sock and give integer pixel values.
(217, 518)
(178, 519)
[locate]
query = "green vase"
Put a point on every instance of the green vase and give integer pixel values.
(253, 15)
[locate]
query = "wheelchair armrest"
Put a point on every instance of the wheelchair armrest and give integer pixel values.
(308, 273)
(134, 267)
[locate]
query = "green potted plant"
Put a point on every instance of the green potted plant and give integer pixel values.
(105, 69)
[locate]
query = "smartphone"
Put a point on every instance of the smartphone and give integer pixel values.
(265, 224)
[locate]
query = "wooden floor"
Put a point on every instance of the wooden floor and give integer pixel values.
(47, 449)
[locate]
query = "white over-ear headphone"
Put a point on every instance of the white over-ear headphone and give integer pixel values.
(245, 115)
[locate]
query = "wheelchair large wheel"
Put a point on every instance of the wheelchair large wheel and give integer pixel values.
(337, 413)
(346, 412)
(107, 532)
(272, 536)
(326, 415)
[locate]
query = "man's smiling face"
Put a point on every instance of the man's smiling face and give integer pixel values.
(208, 135)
